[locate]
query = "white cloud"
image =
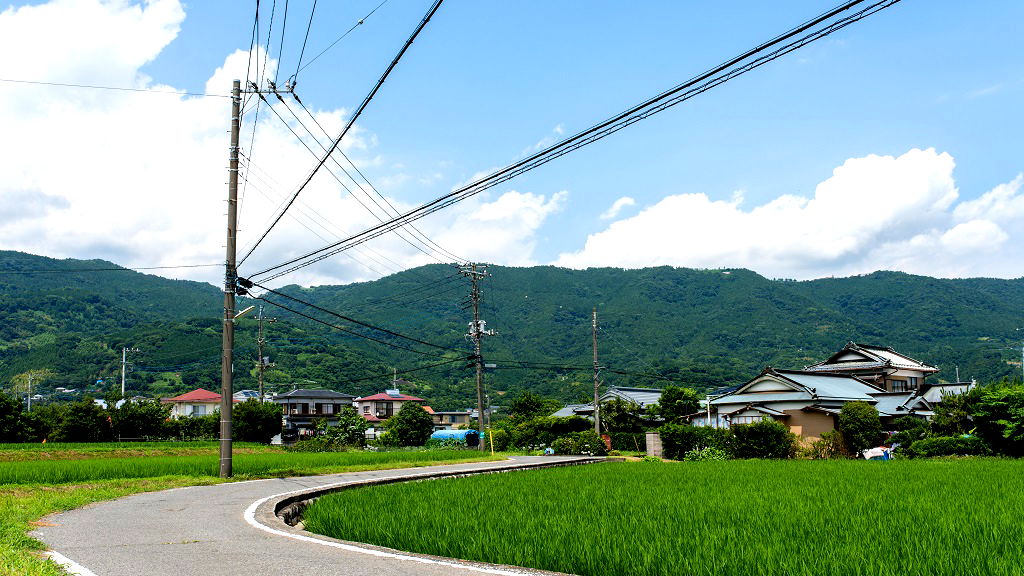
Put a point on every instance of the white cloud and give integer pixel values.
(617, 207)
(876, 212)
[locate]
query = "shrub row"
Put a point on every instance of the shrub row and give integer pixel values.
(763, 439)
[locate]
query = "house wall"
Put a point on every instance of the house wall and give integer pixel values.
(809, 426)
(182, 409)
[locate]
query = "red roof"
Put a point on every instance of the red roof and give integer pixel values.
(197, 395)
(383, 396)
(370, 417)
(428, 409)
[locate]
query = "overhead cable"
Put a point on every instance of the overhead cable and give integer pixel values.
(812, 30)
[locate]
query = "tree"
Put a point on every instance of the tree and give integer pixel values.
(145, 419)
(677, 402)
(12, 424)
(84, 421)
(999, 416)
(350, 430)
(618, 415)
(860, 426)
(528, 406)
(255, 421)
(412, 426)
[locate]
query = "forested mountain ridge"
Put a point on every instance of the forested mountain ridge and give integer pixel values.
(702, 328)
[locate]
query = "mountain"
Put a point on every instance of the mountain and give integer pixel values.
(701, 328)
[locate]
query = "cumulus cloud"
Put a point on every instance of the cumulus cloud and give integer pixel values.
(617, 207)
(876, 212)
(140, 178)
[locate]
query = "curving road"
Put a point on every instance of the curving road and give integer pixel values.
(228, 529)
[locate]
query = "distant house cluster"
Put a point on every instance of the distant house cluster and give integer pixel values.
(808, 401)
(302, 409)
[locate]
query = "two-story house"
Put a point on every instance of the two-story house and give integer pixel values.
(303, 408)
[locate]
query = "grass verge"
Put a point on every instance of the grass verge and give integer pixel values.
(32, 490)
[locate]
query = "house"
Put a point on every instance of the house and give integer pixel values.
(642, 397)
(198, 402)
(304, 408)
(809, 401)
(377, 408)
(452, 420)
(879, 365)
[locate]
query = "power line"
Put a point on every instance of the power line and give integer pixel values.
(116, 88)
(280, 48)
(347, 318)
(350, 123)
(298, 68)
(703, 82)
(340, 38)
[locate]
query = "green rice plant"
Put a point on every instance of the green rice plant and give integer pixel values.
(706, 518)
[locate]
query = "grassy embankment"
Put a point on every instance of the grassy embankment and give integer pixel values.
(40, 479)
(735, 517)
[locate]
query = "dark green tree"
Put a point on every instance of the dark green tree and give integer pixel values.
(763, 439)
(999, 417)
(527, 406)
(412, 426)
(12, 424)
(255, 421)
(677, 402)
(618, 415)
(138, 420)
(860, 426)
(84, 421)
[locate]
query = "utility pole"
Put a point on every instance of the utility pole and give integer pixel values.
(124, 363)
(30, 375)
(230, 278)
(476, 334)
(597, 379)
(261, 361)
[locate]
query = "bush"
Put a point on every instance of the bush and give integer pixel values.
(829, 446)
(948, 446)
(412, 426)
(445, 444)
(631, 441)
(706, 454)
(348, 430)
(317, 444)
(586, 443)
(84, 421)
(999, 417)
(908, 431)
(541, 432)
(650, 458)
(195, 427)
(500, 440)
(12, 422)
(678, 439)
(140, 420)
(763, 439)
(860, 426)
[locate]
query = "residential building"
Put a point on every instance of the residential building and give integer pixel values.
(304, 408)
(879, 365)
(452, 420)
(642, 397)
(198, 402)
(377, 408)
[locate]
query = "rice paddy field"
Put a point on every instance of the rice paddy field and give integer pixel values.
(40, 479)
(961, 517)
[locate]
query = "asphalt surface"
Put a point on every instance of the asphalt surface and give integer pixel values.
(203, 531)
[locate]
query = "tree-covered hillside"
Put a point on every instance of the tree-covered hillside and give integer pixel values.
(700, 328)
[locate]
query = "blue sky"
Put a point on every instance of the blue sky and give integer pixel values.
(744, 175)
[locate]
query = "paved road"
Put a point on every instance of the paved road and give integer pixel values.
(202, 531)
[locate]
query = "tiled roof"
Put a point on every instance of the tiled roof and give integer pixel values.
(317, 394)
(383, 396)
(874, 357)
(572, 410)
(197, 395)
(370, 417)
(805, 386)
(642, 396)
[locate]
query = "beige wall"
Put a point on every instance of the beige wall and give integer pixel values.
(809, 426)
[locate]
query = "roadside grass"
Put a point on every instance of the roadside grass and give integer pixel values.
(706, 518)
(82, 451)
(32, 489)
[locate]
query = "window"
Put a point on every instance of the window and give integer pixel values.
(898, 386)
(199, 410)
(366, 409)
(328, 409)
(384, 409)
(745, 419)
(913, 382)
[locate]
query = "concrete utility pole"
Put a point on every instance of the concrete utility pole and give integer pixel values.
(597, 379)
(476, 333)
(30, 375)
(230, 277)
(261, 361)
(124, 363)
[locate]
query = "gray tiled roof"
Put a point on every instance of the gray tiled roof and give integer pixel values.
(570, 410)
(314, 394)
(642, 396)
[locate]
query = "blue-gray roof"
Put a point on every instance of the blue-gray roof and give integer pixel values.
(806, 386)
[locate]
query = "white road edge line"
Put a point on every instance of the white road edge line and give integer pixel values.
(70, 566)
(250, 517)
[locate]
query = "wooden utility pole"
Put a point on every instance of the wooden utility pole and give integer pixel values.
(476, 333)
(597, 379)
(230, 277)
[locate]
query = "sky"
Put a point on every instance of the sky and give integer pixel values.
(894, 144)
